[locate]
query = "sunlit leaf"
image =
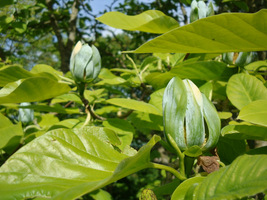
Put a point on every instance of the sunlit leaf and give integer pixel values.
(242, 131)
(66, 164)
(32, 89)
(9, 131)
(227, 32)
(152, 21)
(255, 112)
(181, 190)
(246, 176)
(243, 89)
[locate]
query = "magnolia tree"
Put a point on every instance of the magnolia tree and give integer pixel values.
(202, 99)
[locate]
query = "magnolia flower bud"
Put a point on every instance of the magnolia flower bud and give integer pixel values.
(85, 62)
(199, 10)
(189, 117)
(26, 115)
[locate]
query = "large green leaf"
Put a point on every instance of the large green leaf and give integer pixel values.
(255, 112)
(228, 32)
(243, 131)
(9, 133)
(242, 89)
(32, 89)
(65, 164)
(135, 105)
(152, 21)
(246, 176)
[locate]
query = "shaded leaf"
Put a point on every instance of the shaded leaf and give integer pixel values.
(229, 149)
(242, 89)
(227, 32)
(152, 21)
(203, 70)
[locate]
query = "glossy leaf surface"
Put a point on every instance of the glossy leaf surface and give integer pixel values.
(229, 32)
(66, 164)
(181, 190)
(32, 89)
(152, 21)
(247, 175)
(242, 89)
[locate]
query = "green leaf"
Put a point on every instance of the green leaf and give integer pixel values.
(246, 176)
(11, 73)
(10, 133)
(159, 80)
(143, 121)
(203, 70)
(193, 151)
(6, 3)
(255, 112)
(152, 21)
(32, 89)
(207, 89)
(65, 164)
(243, 89)
(123, 128)
(20, 27)
(181, 190)
(227, 32)
(135, 105)
(225, 115)
(156, 98)
(229, 149)
(240, 132)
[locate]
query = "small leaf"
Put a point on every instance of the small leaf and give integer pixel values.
(134, 105)
(227, 32)
(9, 131)
(242, 89)
(181, 190)
(242, 131)
(193, 151)
(246, 176)
(32, 89)
(255, 112)
(152, 21)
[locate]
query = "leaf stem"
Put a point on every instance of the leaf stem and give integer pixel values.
(179, 154)
(167, 168)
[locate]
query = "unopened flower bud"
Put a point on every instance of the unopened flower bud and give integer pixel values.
(189, 117)
(85, 62)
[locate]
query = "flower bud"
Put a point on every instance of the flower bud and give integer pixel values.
(85, 62)
(199, 10)
(189, 117)
(26, 115)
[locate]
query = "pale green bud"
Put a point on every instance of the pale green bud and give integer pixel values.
(85, 62)
(189, 117)
(26, 115)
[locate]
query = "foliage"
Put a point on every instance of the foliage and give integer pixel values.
(88, 137)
